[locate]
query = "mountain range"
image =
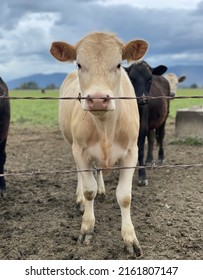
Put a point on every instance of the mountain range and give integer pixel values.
(194, 75)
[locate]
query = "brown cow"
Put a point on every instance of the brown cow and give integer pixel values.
(101, 130)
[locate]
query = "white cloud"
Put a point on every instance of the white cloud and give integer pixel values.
(155, 4)
(24, 47)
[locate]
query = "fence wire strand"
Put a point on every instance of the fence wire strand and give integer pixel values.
(79, 97)
(115, 168)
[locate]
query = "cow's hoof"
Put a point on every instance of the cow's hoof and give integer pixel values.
(143, 183)
(160, 161)
(134, 249)
(2, 191)
(149, 162)
(85, 238)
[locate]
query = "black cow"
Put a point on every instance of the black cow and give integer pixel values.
(4, 126)
(153, 113)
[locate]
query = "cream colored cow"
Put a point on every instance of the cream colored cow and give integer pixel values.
(101, 130)
(174, 81)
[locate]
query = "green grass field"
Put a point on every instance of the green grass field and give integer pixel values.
(34, 112)
(185, 103)
(45, 112)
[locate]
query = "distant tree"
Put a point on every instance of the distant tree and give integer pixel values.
(51, 86)
(29, 85)
(194, 86)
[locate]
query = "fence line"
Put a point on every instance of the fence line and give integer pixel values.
(153, 166)
(79, 97)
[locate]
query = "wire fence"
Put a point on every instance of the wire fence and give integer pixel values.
(79, 98)
(106, 169)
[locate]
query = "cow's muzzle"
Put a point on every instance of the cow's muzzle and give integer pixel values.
(98, 102)
(142, 100)
(172, 94)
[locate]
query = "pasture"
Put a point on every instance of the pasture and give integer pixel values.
(45, 112)
(38, 216)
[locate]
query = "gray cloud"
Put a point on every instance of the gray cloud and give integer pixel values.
(27, 29)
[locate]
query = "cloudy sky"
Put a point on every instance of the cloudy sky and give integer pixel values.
(174, 30)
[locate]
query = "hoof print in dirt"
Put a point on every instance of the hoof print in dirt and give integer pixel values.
(101, 197)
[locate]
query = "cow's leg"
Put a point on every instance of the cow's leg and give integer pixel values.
(150, 138)
(123, 194)
(160, 133)
(88, 219)
(2, 162)
(142, 178)
(80, 200)
(101, 187)
(89, 186)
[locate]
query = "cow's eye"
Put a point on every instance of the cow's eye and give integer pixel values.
(119, 66)
(79, 66)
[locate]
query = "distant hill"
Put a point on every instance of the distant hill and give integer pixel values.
(43, 80)
(194, 76)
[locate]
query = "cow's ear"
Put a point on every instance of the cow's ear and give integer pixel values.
(63, 51)
(159, 70)
(135, 50)
(181, 79)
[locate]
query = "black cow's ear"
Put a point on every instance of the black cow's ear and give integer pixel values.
(159, 70)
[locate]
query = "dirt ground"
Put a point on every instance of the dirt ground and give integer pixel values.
(39, 219)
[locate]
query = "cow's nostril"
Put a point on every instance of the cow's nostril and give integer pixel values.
(106, 99)
(90, 100)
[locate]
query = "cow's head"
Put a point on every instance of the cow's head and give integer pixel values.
(140, 75)
(174, 82)
(98, 57)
